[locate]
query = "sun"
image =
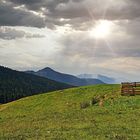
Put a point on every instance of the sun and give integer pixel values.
(101, 30)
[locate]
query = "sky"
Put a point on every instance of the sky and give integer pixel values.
(72, 36)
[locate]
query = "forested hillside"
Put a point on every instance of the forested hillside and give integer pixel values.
(15, 85)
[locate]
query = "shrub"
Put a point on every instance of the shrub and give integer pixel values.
(84, 105)
(94, 100)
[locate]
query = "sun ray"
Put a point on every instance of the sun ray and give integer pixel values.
(110, 48)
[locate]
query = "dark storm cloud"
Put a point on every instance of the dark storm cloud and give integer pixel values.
(73, 8)
(9, 16)
(38, 4)
(7, 33)
(77, 13)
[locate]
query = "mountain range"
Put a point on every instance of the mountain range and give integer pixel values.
(85, 76)
(105, 79)
(65, 78)
(15, 85)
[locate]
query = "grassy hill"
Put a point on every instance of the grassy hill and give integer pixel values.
(59, 116)
(15, 85)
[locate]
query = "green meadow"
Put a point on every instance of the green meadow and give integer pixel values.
(85, 113)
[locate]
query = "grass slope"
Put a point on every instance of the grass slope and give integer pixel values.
(58, 116)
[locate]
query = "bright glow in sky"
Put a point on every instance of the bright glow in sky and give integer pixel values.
(101, 30)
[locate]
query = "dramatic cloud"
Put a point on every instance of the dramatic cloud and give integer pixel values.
(10, 15)
(77, 13)
(7, 33)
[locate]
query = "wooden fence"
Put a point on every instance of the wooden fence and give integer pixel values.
(130, 88)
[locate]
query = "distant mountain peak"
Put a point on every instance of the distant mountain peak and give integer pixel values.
(47, 69)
